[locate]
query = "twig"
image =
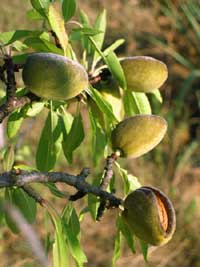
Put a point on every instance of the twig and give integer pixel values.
(11, 83)
(21, 178)
(12, 102)
(32, 193)
(108, 174)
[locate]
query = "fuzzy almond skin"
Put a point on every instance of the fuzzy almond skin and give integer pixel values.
(150, 215)
(138, 134)
(144, 74)
(53, 76)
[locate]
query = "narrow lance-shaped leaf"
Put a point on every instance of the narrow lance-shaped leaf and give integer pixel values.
(8, 159)
(41, 6)
(9, 37)
(127, 234)
(117, 247)
(57, 24)
(68, 9)
(71, 229)
(42, 45)
(130, 182)
(98, 139)
(144, 248)
(87, 31)
(100, 24)
(33, 109)
(111, 48)
(34, 15)
(60, 248)
(103, 105)
(74, 138)
(14, 123)
(136, 103)
(50, 143)
(84, 40)
(142, 103)
(156, 93)
(93, 202)
(25, 204)
(129, 104)
(116, 69)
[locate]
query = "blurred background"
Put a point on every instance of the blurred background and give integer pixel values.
(170, 31)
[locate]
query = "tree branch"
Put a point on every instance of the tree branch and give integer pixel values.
(12, 102)
(21, 178)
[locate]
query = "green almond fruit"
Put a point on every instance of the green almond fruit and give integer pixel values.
(53, 76)
(144, 74)
(138, 134)
(112, 93)
(150, 215)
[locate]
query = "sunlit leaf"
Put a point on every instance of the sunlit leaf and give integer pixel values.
(41, 6)
(9, 158)
(57, 24)
(14, 123)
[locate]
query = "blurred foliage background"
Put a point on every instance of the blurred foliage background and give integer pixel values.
(168, 30)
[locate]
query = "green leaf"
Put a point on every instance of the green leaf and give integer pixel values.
(111, 48)
(103, 105)
(136, 103)
(130, 106)
(93, 202)
(57, 24)
(128, 235)
(87, 31)
(74, 138)
(60, 248)
(24, 167)
(20, 59)
(41, 6)
(130, 182)
(50, 143)
(84, 18)
(67, 120)
(33, 109)
(156, 93)
(99, 139)
(100, 24)
(144, 248)
(70, 217)
(72, 228)
(42, 45)
(34, 15)
(84, 40)
(142, 103)
(116, 69)
(9, 37)
(14, 123)
(19, 46)
(68, 9)
(9, 158)
(55, 191)
(25, 204)
(117, 246)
